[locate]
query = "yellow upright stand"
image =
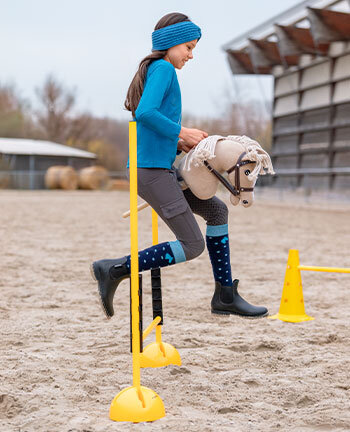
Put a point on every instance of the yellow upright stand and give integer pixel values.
(136, 403)
(158, 353)
(292, 307)
(292, 303)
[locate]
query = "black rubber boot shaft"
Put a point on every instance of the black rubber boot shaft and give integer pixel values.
(109, 273)
(226, 300)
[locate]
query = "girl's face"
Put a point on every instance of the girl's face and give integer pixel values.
(178, 55)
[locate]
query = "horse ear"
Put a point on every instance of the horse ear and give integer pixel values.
(234, 199)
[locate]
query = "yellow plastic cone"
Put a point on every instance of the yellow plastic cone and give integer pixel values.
(292, 307)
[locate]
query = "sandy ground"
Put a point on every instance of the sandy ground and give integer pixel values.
(62, 362)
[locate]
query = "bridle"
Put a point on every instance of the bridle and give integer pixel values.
(237, 189)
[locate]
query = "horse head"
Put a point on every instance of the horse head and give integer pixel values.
(239, 156)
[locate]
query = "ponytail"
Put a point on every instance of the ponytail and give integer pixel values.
(136, 87)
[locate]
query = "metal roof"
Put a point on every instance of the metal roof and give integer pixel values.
(282, 40)
(292, 15)
(42, 148)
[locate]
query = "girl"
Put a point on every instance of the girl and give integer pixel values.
(154, 100)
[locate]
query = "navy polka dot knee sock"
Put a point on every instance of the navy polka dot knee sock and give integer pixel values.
(160, 255)
(219, 252)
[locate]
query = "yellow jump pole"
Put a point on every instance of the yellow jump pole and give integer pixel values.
(154, 228)
(325, 269)
(136, 403)
(135, 315)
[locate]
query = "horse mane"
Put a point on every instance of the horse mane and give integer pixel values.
(205, 150)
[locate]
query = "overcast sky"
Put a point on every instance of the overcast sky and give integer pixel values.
(95, 46)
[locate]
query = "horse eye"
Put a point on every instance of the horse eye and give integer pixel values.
(247, 172)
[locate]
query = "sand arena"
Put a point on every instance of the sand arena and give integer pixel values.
(62, 362)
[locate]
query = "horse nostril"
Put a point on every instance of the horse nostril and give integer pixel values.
(245, 202)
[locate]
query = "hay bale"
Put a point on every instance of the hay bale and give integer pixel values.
(4, 180)
(118, 184)
(93, 178)
(52, 177)
(61, 177)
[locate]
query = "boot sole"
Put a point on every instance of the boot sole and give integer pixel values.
(94, 277)
(217, 312)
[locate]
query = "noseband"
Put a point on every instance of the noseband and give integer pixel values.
(237, 189)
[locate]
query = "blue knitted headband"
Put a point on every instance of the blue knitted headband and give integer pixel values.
(175, 34)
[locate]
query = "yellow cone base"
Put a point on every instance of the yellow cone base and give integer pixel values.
(158, 355)
(291, 318)
(130, 406)
(292, 308)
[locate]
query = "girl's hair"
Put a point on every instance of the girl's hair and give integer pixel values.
(136, 87)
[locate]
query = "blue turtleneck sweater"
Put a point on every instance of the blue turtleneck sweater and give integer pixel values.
(158, 117)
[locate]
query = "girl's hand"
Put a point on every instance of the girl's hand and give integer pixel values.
(192, 136)
(183, 146)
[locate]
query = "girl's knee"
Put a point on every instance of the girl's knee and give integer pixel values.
(194, 249)
(222, 207)
(220, 216)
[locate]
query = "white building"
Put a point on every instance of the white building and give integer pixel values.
(24, 162)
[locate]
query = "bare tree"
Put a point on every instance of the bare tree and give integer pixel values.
(114, 136)
(9, 99)
(237, 119)
(15, 121)
(57, 103)
(80, 130)
(237, 115)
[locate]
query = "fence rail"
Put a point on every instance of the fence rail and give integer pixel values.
(313, 171)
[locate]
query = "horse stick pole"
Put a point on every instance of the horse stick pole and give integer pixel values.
(135, 317)
(139, 207)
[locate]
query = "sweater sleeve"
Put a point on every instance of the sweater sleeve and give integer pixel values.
(148, 112)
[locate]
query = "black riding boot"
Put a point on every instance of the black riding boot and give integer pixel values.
(109, 273)
(226, 300)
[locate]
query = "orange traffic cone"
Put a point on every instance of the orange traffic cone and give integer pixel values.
(292, 307)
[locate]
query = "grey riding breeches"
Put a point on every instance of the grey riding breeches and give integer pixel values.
(160, 189)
